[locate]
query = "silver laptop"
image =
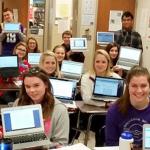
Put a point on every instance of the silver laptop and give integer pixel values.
(128, 57)
(11, 27)
(64, 90)
(146, 137)
(107, 89)
(71, 69)
(24, 125)
(78, 44)
(104, 38)
(34, 58)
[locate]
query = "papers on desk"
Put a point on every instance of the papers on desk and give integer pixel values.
(107, 148)
(78, 146)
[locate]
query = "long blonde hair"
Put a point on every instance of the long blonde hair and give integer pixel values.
(106, 55)
(56, 73)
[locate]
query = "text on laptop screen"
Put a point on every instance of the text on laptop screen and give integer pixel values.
(147, 138)
(105, 37)
(72, 67)
(78, 43)
(21, 119)
(64, 89)
(108, 87)
(14, 27)
(34, 58)
(130, 53)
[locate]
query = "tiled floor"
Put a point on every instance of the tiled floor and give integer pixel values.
(91, 141)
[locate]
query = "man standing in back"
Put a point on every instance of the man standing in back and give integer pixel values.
(127, 36)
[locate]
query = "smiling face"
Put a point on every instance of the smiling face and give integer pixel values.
(8, 16)
(21, 51)
(139, 89)
(35, 89)
(32, 45)
(113, 53)
(60, 54)
(100, 64)
(127, 23)
(49, 64)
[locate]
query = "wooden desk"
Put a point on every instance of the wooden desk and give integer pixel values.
(92, 111)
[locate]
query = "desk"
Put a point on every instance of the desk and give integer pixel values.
(4, 86)
(92, 111)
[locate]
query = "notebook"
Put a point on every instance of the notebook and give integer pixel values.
(107, 88)
(146, 137)
(24, 125)
(128, 57)
(104, 38)
(78, 44)
(64, 90)
(71, 69)
(11, 27)
(34, 58)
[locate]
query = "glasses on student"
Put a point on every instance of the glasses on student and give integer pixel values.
(24, 50)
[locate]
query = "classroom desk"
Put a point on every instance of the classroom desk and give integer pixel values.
(92, 111)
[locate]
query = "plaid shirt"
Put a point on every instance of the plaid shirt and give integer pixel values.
(132, 39)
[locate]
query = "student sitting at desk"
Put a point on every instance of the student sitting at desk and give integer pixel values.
(101, 67)
(49, 63)
(36, 89)
(132, 110)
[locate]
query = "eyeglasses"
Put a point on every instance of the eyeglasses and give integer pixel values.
(24, 50)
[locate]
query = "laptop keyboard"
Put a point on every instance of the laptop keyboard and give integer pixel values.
(29, 138)
(126, 64)
(66, 101)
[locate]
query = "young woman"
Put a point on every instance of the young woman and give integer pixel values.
(131, 111)
(32, 45)
(36, 89)
(59, 51)
(100, 67)
(49, 63)
(22, 52)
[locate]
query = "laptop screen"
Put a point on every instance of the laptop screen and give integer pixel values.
(11, 27)
(72, 67)
(63, 89)
(105, 37)
(108, 87)
(34, 58)
(78, 44)
(135, 54)
(146, 137)
(21, 119)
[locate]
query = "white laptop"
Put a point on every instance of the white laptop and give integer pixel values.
(128, 57)
(34, 58)
(78, 44)
(107, 88)
(64, 90)
(71, 69)
(104, 38)
(146, 137)
(11, 27)
(24, 125)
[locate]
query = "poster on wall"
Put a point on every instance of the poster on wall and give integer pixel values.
(115, 20)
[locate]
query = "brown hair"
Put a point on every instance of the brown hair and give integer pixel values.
(7, 9)
(124, 101)
(48, 100)
(67, 33)
(36, 50)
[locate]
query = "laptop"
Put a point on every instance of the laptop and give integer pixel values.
(128, 57)
(64, 90)
(24, 125)
(34, 58)
(104, 38)
(11, 27)
(146, 137)
(78, 44)
(107, 88)
(71, 69)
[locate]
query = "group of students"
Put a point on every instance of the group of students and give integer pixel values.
(129, 112)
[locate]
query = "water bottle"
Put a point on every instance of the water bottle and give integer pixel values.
(125, 141)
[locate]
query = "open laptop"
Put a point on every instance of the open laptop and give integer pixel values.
(64, 90)
(104, 38)
(71, 69)
(146, 137)
(128, 57)
(34, 58)
(11, 27)
(78, 44)
(107, 88)
(24, 125)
